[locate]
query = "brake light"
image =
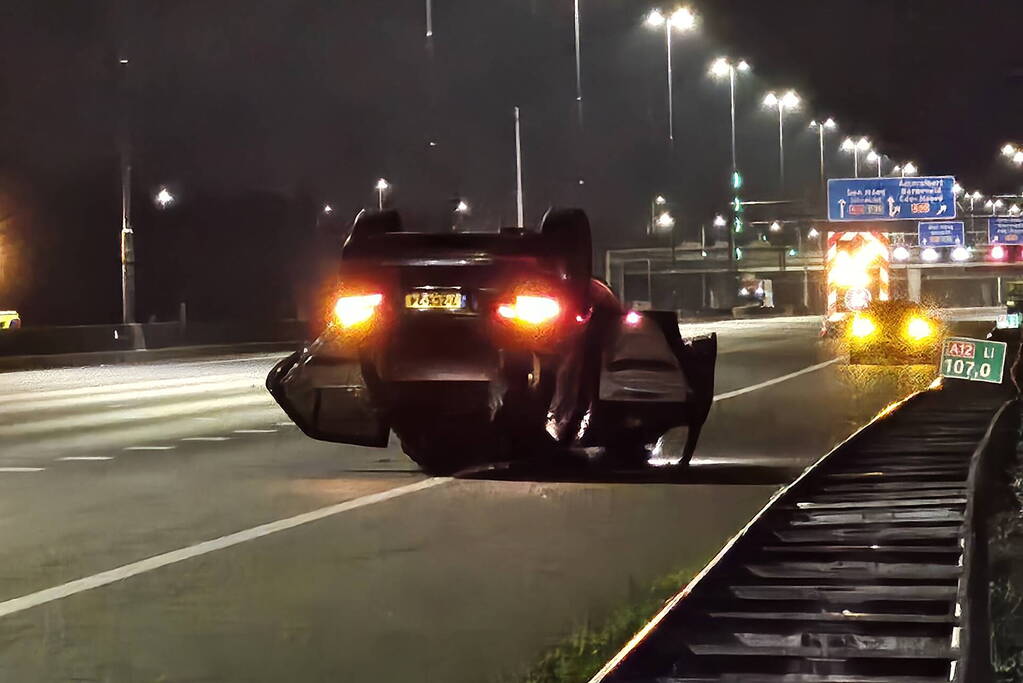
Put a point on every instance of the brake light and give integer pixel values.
(350, 311)
(532, 310)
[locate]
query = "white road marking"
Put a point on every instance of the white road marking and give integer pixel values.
(270, 356)
(255, 431)
(87, 457)
(28, 395)
(70, 588)
(776, 380)
(206, 438)
(48, 426)
(289, 423)
(136, 396)
(22, 469)
(150, 448)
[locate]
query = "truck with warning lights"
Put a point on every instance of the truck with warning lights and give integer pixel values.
(857, 272)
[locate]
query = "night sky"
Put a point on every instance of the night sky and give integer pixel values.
(318, 98)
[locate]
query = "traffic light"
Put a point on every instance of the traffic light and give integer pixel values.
(736, 180)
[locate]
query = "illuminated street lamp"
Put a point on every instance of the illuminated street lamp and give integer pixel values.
(656, 205)
(900, 253)
(164, 198)
(874, 157)
(1008, 150)
(328, 209)
(821, 126)
(788, 101)
(721, 68)
(665, 221)
(681, 20)
(775, 226)
(929, 254)
(813, 233)
(719, 221)
(994, 205)
(975, 197)
(855, 146)
(381, 187)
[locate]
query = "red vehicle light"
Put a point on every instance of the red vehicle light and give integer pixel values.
(357, 310)
(531, 310)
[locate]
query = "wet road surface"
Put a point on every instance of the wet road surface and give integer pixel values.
(152, 528)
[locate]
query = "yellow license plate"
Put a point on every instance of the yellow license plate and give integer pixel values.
(435, 299)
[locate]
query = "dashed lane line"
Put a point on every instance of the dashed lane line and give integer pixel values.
(149, 564)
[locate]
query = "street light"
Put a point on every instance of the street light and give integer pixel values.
(656, 205)
(873, 157)
(821, 126)
(164, 198)
(681, 20)
(328, 209)
(790, 100)
(855, 146)
(381, 187)
(720, 68)
(775, 226)
(462, 207)
(1009, 150)
(665, 220)
(813, 233)
(719, 221)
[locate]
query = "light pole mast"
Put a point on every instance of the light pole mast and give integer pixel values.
(127, 234)
(520, 211)
(682, 19)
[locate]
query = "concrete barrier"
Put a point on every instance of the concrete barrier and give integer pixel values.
(35, 347)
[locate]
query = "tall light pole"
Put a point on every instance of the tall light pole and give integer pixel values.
(874, 157)
(578, 66)
(788, 101)
(519, 203)
(681, 20)
(719, 69)
(826, 125)
(821, 126)
(657, 204)
(381, 187)
(908, 168)
(855, 146)
(462, 210)
(127, 233)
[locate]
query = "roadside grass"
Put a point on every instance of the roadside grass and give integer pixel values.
(576, 658)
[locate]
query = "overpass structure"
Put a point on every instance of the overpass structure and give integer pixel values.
(690, 276)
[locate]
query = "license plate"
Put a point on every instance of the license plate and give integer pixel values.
(435, 299)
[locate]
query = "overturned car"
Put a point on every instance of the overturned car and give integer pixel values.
(480, 347)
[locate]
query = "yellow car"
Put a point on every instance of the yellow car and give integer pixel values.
(9, 320)
(893, 332)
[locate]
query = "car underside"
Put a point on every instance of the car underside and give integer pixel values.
(476, 347)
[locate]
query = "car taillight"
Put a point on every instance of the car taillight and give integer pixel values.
(351, 311)
(531, 310)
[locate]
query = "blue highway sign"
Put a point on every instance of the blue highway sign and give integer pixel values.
(1005, 230)
(941, 233)
(891, 199)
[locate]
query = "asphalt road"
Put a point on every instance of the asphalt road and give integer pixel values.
(166, 522)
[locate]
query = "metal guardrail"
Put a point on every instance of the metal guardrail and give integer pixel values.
(869, 567)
